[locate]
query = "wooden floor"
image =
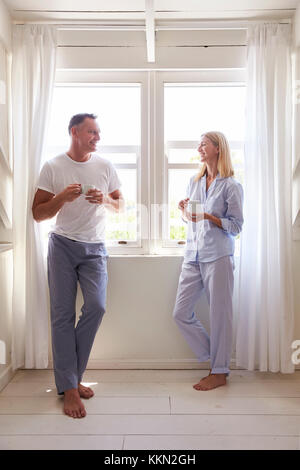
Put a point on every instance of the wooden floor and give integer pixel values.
(153, 409)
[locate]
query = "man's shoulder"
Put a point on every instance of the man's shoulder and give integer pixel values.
(56, 160)
(103, 164)
(101, 160)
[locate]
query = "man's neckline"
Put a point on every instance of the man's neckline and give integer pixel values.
(79, 161)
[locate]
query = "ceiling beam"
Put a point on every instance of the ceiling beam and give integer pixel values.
(150, 30)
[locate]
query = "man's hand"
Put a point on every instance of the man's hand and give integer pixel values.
(71, 192)
(46, 205)
(95, 196)
(113, 201)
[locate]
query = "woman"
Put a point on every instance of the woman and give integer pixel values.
(208, 261)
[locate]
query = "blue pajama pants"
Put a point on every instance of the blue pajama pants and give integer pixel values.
(216, 278)
(70, 262)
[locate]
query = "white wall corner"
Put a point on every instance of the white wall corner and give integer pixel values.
(5, 26)
(6, 374)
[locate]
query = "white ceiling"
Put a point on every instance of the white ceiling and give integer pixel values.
(109, 10)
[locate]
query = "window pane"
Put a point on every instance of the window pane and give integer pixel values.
(237, 157)
(192, 109)
(183, 155)
(123, 226)
(116, 158)
(118, 107)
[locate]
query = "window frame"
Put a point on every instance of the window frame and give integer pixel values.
(215, 77)
(97, 77)
(152, 166)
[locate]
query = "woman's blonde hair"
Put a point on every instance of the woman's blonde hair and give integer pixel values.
(224, 167)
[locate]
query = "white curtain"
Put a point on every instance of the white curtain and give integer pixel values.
(266, 323)
(33, 70)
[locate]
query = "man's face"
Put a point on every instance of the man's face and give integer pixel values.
(87, 135)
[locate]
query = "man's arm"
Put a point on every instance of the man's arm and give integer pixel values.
(46, 205)
(113, 201)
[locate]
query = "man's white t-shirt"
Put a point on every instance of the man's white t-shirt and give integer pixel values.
(79, 220)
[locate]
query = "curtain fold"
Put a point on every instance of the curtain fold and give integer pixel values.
(266, 317)
(33, 72)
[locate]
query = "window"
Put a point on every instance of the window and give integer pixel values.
(118, 107)
(190, 109)
(150, 123)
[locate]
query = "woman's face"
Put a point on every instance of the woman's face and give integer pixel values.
(208, 151)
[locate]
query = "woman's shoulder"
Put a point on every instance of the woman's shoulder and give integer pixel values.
(232, 182)
(194, 179)
(233, 186)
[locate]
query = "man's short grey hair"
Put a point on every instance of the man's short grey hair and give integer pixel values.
(78, 119)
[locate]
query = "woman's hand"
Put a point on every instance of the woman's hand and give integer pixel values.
(215, 220)
(183, 203)
(195, 217)
(182, 206)
(203, 216)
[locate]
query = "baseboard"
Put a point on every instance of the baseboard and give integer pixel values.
(5, 376)
(147, 364)
(144, 364)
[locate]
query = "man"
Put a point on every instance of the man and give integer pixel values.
(76, 251)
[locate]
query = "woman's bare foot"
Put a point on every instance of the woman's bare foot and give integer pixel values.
(210, 382)
(85, 392)
(73, 406)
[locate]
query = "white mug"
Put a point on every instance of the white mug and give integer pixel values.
(86, 187)
(195, 207)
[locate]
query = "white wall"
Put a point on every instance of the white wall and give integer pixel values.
(5, 315)
(5, 26)
(173, 49)
(296, 176)
(5, 204)
(138, 330)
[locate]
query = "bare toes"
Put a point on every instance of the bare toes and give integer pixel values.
(85, 392)
(199, 387)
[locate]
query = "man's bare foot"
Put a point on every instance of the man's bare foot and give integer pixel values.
(85, 392)
(210, 382)
(73, 406)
